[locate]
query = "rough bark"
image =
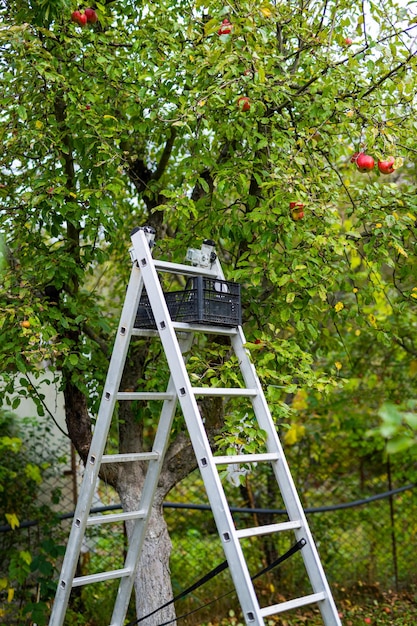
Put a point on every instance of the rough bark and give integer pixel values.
(153, 578)
(153, 581)
(77, 418)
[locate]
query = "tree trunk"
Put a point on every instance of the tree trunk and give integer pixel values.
(77, 418)
(153, 577)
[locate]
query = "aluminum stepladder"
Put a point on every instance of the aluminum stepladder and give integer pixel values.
(145, 275)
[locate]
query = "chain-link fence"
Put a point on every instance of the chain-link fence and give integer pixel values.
(364, 543)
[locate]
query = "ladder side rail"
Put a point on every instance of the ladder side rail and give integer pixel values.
(286, 483)
(98, 442)
(265, 421)
(138, 533)
(198, 436)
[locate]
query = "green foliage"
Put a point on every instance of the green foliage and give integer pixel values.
(398, 426)
(241, 435)
(26, 582)
(20, 476)
(105, 139)
(136, 120)
(174, 80)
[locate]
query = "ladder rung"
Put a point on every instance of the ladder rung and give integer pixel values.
(115, 517)
(245, 458)
(96, 578)
(145, 395)
(268, 529)
(131, 456)
(187, 327)
(144, 332)
(293, 604)
(224, 391)
(186, 270)
(205, 328)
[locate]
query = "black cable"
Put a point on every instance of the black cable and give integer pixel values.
(317, 509)
(41, 400)
(217, 570)
(206, 507)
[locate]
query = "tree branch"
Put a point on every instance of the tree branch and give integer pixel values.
(388, 75)
(340, 177)
(364, 23)
(299, 90)
(166, 154)
(98, 340)
(139, 174)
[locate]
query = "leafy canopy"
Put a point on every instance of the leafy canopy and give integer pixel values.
(136, 119)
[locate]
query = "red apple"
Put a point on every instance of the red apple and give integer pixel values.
(225, 28)
(348, 41)
(387, 167)
(296, 209)
(75, 16)
(365, 162)
(243, 103)
(79, 18)
(91, 16)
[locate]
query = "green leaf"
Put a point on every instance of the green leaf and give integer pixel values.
(73, 359)
(411, 419)
(390, 414)
(399, 444)
(22, 112)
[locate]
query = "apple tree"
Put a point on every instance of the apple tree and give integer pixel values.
(285, 131)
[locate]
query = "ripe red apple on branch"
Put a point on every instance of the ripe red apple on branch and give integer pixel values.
(75, 16)
(91, 16)
(387, 166)
(364, 162)
(297, 212)
(244, 103)
(79, 18)
(225, 28)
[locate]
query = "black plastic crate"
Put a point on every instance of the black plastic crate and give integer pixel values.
(203, 301)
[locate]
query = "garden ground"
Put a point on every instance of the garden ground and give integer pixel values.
(379, 609)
